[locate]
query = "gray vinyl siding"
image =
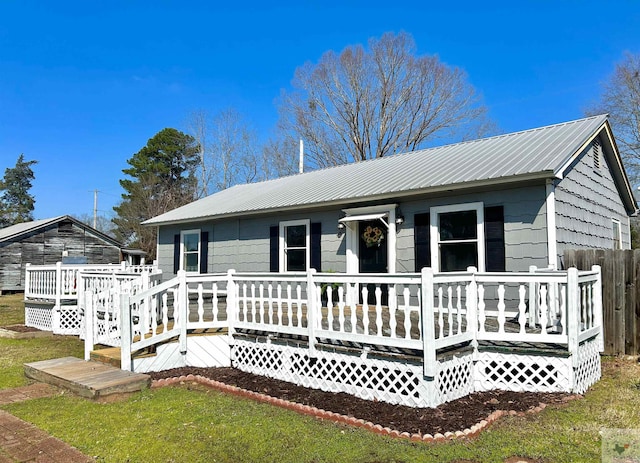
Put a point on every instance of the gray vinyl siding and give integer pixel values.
(586, 202)
(243, 244)
(524, 228)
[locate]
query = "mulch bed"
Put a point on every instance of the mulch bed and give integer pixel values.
(449, 417)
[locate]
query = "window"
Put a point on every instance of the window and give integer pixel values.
(190, 251)
(294, 246)
(617, 234)
(457, 237)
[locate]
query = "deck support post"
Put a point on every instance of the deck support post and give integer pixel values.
(183, 308)
(428, 325)
(126, 335)
(312, 296)
(86, 302)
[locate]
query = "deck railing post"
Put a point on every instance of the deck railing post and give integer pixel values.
(428, 324)
(597, 306)
(183, 307)
(126, 334)
(27, 280)
(533, 299)
(573, 314)
(311, 310)
(145, 316)
(86, 302)
(232, 303)
(472, 309)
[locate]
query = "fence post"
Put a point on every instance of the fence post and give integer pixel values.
(87, 306)
(573, 315)
(311, 310)
(428, 324)
(597, 305)
(183, 308)
(231, 303)
(126, 335)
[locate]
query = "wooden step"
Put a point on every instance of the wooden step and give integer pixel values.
(86, 378)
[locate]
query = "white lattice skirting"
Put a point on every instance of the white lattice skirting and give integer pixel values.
(518, 372)
(399, 382)
(589, 367)
(46, 317)
(38, 316)
(368, 378)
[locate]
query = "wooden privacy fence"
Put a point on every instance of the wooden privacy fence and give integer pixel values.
(620, 295)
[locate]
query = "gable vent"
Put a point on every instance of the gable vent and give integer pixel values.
(596, 154)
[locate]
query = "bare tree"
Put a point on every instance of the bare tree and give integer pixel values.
(621, 99)
(228, 152)
(199, 127)
(362, 104)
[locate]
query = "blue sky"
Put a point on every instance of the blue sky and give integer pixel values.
(85, 84)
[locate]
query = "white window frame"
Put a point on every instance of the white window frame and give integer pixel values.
(613, 230)
(282, 243)
(183, 252)
(435, 212)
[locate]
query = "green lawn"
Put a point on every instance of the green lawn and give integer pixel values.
(195, 424)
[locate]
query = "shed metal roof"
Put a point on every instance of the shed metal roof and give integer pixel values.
(19, 229)
(537, 153)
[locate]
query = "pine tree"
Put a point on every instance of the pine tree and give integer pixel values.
(16, 203)
(162, 177)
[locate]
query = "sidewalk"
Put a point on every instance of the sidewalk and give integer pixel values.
(23, 442)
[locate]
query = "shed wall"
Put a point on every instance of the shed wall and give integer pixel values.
(46, 246)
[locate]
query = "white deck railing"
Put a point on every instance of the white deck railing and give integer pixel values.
(425, 312)
(52, 292)
(60, 281)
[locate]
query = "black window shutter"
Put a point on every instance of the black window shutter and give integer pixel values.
(204, 252)
(422, 240)
(274, 252)
(176, 253)
(494, 238)
(316, 254)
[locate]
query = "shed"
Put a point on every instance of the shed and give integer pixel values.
(48, 241)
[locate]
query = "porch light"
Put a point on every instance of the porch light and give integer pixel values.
(399, 217)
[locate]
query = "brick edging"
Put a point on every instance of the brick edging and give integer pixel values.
(471, 432)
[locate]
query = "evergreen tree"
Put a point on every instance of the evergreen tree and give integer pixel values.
(16, 204)
(161, 178)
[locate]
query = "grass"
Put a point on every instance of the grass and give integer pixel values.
(15, 352)
(192, 423)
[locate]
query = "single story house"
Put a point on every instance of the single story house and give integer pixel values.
(502, 203)
(48, 241)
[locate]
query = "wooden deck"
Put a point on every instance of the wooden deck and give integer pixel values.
(87, 379)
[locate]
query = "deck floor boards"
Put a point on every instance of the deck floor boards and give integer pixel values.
(86, 378)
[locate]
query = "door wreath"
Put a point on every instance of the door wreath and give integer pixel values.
(372, 236)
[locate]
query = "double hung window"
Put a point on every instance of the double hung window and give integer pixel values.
(457, 237)
(190, 250)
(294, 246)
